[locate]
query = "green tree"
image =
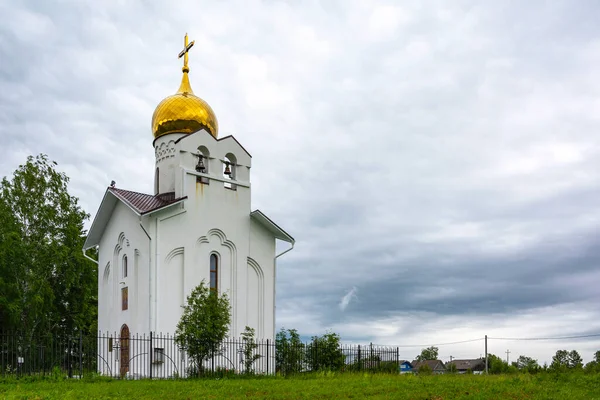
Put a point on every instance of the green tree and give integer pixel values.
(249, 347)
(46, 285)
(289, 352)
(425, 369)
(527, 364)
(430, 353)
(496, 365)
(451, 368)
(324, 353)
(560, 361)
(564, 360)
(575, 360)
(203, 325)
(592, 367)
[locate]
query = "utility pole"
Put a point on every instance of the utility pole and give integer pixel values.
(507, 353)
(486, 356)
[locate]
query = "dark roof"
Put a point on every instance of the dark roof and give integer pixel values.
(433, 364)
(144, 203)
(463, 365)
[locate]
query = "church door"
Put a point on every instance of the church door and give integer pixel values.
(124, 350)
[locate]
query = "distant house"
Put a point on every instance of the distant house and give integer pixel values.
(476, 365)
(405, 367)
(437, 366)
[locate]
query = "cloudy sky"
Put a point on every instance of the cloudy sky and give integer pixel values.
(437, 161)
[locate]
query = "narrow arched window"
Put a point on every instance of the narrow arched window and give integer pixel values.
(125, 267)
(229, 171)
(203, 164)
(214, 273)
(156, 182)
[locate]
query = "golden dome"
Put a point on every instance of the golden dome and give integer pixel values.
(184, 112)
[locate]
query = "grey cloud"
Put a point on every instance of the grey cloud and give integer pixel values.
(442, 158)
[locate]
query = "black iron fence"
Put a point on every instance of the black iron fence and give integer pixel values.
(158, 356)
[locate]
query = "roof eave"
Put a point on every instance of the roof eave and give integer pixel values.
(90, 240)
(278, 232)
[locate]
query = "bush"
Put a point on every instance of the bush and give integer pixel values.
(203, 325)
(324, 353)
(289, 352)
(425, 370)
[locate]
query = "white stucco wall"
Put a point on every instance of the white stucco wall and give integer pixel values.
(123, 237)
(260, 309)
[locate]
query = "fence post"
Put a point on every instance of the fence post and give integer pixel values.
(150, 353)
(80, 355)
(70, 355)
(398, 358)
(359, 364)
(268, 347)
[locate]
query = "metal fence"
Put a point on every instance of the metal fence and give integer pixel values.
(158, 356)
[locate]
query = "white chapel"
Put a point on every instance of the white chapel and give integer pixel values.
(198, 224)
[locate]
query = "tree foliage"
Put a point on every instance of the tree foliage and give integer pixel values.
(527, 364)
(46, 285)
(249, 347)
(324, 353)
(289, 352)
(430, 353)
(425, 369)
(496, 365)
(564, 360)
(203, 325)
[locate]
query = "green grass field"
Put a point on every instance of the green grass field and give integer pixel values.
(323, 386)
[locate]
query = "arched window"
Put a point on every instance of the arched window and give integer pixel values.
(125, 267)
(214, 273)
(156, 182)
(203, 164)
(229, 171)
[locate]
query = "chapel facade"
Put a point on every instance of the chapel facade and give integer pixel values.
(154, 248)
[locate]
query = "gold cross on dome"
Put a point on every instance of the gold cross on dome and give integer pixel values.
(184, 52)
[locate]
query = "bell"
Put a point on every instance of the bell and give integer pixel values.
(200, 166)
(227, 169)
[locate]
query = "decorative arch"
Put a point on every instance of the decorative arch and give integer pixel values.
(165, 150)
(174, 261)
(113, 291)
(253, 266)
(122, 242)
(175, 252)
(230, 246)
(106, 273)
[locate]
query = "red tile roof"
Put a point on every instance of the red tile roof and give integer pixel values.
(145, 203)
